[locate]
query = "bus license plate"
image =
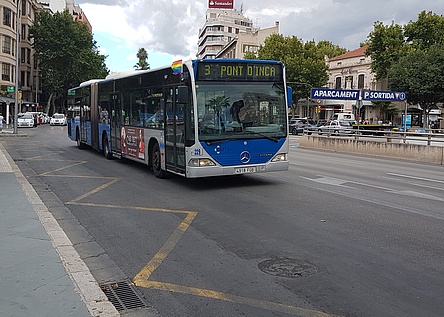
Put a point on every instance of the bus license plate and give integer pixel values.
(250, 169)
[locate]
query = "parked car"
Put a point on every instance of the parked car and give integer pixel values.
(25, 120)
(295, 126)
(58, 119)
(336, 127)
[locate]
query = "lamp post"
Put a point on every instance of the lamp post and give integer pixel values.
(17, 41)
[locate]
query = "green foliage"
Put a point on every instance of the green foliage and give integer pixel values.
(142, 55)
(304, 62)
(250, 55)
(420, 74)
(65, 52)
(411, 58)
(386, 45)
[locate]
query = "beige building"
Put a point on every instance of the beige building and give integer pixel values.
(227, 33)
(352, 70)
(29, 80)
(244, 42)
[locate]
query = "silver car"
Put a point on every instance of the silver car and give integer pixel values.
(25, 120)
(336, 127)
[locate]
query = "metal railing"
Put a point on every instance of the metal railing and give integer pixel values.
(429, 137)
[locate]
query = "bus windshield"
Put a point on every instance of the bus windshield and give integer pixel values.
(240, 110)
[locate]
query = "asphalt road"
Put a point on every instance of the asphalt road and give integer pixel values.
(336, 235)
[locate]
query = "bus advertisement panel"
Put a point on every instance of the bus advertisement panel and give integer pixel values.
(204, 118)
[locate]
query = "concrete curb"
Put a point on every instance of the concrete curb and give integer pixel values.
(94, 298)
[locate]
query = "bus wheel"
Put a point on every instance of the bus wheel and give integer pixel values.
(78, 142)
(156, 162)
(106, 150)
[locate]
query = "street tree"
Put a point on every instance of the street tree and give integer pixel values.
(142, 55)
(420, 74)
(66, 55)
(410, 59)
(304, 61)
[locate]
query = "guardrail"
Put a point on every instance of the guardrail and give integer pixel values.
(432, 137)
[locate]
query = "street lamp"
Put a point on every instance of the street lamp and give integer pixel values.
(17, 41)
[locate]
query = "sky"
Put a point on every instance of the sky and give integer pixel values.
(168, 29)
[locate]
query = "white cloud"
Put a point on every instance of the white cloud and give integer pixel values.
(170, 27)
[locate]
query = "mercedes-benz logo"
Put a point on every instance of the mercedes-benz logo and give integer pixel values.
(245, 157)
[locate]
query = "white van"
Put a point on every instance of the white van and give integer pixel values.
(344, 116)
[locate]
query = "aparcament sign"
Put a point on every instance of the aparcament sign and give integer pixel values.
(221, 4)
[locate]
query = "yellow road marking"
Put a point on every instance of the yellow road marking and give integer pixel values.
(62, 168)
(142, 278)
(91, 192)
(272, 306)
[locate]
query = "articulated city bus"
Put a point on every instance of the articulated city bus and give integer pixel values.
(195, 119)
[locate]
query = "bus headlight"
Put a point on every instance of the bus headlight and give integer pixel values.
(280, 157)
(201, 162)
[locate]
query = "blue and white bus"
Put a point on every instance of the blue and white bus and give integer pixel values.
(198, 118)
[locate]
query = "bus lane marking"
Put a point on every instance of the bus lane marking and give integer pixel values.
(142, 278)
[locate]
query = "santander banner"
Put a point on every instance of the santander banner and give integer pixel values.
(221, 4)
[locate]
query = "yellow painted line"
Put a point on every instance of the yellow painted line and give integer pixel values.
(272, 306)
(62, 168)
(91, 192)
(169, 245)
(142, 278)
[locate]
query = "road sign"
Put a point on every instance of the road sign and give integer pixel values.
(10, 89)
(383, 95)
(325, 93)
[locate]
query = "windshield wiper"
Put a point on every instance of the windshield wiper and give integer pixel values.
(211, 142)
(263, 135)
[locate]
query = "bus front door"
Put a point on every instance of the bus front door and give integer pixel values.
(116, 120)
(174, 131)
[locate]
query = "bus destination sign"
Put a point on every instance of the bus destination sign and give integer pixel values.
(239, 71)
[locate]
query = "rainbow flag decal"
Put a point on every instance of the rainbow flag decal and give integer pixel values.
(177, 67)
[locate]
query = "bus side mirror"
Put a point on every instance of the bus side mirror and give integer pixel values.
(289, 96)
(182, 94)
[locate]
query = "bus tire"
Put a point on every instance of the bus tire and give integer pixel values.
(79, 143)
(106, 150)
(156, 159)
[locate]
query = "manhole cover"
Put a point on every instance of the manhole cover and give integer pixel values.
(287, 267)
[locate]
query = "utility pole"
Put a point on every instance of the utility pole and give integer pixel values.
(17, 59)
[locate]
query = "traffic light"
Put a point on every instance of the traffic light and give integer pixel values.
(318, 109)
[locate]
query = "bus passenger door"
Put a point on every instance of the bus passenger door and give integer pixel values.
(115, 122)
(174, 131)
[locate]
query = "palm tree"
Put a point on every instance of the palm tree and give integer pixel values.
(142, 55)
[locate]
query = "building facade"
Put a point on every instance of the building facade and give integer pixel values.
(28, 79)
(22, 55)
(227, 33)
(248, 41)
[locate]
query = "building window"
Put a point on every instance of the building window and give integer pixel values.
(28, 78)
(7, 14)
(361, 81)
(338, 83)
(6, 72)
(22, 78)
(23, 32)
(349, 82)
(22, 55)
(28, 56)
(6, 47)
(24, 3)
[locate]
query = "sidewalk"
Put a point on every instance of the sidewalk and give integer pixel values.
(41, 273)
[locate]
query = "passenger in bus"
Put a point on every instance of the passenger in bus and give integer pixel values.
(235, 109)
(247, 115)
